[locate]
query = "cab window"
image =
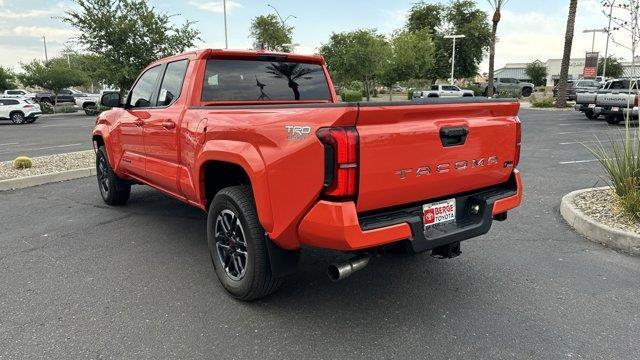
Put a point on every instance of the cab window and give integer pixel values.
(143, 90)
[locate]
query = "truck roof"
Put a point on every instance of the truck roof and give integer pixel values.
(247, 54)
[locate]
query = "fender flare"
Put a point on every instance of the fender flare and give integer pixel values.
(250, 160)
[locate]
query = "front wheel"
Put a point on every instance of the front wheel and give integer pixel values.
(614, 119)
(526, 92)
(113, 189)
(237, 245)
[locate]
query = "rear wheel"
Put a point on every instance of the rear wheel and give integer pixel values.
(590, 114)
(237, 245)
(114, 190)
(526, 92)
(18, 118)
(614, 119)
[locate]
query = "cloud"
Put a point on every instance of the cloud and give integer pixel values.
(9, 14)
(534, 35)
(52, 33)
(214, 6)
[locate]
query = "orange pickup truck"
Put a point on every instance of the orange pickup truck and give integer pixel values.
(261, 142)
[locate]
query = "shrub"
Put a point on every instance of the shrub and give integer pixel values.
(621, 163)
(95, 111)
(477, 91)
(348, 95)
(541, 101)
(510, 94)
(22, 162)
(46, 107)
(67, 109)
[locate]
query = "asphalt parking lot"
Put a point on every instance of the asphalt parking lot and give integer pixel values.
(82, 280)
(50, 134)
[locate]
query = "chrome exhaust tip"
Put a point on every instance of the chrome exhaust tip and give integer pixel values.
(340, 271)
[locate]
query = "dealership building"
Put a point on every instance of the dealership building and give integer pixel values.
(576, 67)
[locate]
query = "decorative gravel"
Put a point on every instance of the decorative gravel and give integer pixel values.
(50, 164)
(602, 205)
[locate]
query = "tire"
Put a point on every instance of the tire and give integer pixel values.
(526, 92)
(613, 119)
(235, 236)
(17, 118)
(114, 190)
(591, 115)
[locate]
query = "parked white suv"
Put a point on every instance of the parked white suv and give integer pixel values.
(18, 93)
(19, 111)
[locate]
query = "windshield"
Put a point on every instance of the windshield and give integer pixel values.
(252, 80)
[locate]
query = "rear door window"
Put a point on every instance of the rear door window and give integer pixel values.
(172, 81)
(256, 80)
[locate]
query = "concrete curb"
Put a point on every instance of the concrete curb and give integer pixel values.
(29, 181)
(614, 238)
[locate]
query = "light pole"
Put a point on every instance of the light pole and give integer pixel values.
(280, 17)
(453, 56)
(226, 39)
(46, 57)
(606, 47)
(594, 31)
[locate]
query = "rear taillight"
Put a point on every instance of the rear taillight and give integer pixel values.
(27, 106)
(516, 160)
(635, 101)
(341, 162)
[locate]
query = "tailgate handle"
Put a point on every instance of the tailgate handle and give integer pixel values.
(453, 136)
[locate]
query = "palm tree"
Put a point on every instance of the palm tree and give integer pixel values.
(291, 72)
(561, 101)
(497, 6)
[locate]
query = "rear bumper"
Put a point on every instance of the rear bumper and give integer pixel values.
(631, 112)
(337, 225)
(33, 115)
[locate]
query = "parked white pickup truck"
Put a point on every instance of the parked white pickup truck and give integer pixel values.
(443, 91)
(612, 102)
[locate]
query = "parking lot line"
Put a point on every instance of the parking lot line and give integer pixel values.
(578, 161)
(13, 143)
(45, 148)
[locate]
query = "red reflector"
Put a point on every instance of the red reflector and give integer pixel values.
(516, 160)
(27, 106)
(344, 163)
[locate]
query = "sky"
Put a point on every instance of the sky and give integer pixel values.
(529, 30)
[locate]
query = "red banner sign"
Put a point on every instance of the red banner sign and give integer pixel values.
(591, 65)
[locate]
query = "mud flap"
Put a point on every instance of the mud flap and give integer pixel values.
(283, 262)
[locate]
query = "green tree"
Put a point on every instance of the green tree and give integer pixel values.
(128, 34)
(356, 55)
(7, 79)
(411, 57)
(537, 72)
(614, 68)
(54, 75)
(269, 33)
(426, 16)
(497, 16)
(459, 17)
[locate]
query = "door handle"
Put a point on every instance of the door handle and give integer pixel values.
(138, 122)
(453, 136)
(168, 124)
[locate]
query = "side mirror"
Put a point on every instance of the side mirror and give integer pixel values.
(111, 100)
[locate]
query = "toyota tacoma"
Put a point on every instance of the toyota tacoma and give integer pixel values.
(259, 141)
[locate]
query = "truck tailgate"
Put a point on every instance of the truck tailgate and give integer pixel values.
(413, 152)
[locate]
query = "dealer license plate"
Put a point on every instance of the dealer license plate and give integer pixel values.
(591, 106)
(615, 108)
(439, 212)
